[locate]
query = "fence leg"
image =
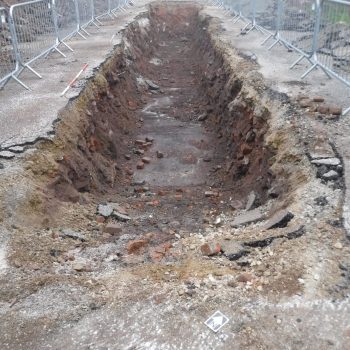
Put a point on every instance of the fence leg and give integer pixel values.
(95, 24)
(67, 46)
(21, 68)
(82, 36)
(273, 45)
(20, 82)
(297, 61)
(245, 27)
(315, 65)
(98, 21)
(309, 71)
(59, 51)
(346, 111)
(267, 39)
(83, 29)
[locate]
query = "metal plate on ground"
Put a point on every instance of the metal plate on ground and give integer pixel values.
(216, 321)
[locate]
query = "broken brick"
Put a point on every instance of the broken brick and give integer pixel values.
(146, 160)
(139, 142)
(140, 165)
(136, 246)
(245, 277)
(210, 249)
(335, 110)
(112, 229)
(100, 219)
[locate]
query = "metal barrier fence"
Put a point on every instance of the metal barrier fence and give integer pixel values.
(32, 30)
(7, 53)
(319, 30)
(66, 19)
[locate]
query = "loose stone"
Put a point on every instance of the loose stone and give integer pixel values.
(6, 155)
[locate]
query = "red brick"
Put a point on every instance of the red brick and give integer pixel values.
(335, 110)
(140, 165)
(210, 249)
(305, 103)
(136, 246)
(323, 109)
(146, 160)
(100, 219)
(113, 229)
(246, 149)
(139, 142)
(245, 277)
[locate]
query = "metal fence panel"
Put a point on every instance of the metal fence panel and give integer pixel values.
(247, 9)
(298, 24)
(7, 53)
(67, 21)
(115, 5)
(266, 14)
(101, 8)
(333, 40)
(86, 12)
(35, 30)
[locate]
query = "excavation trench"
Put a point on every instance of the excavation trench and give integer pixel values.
(172, 141)
(159, 128)
(172, 136)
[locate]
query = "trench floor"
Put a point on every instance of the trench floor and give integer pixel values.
(184, 156)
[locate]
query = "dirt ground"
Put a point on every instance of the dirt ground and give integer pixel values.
(122, 232)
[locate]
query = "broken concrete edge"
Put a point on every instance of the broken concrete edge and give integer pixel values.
(26, 144)
(244, 249)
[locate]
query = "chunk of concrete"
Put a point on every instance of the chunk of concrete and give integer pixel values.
(17, 149)
(252, 201)
(326, 161)
(247, 218)
(152, 85)
(279, 220)
(105, 210)
(320, 148)
(120, 216)
(67, 233)
(330, 175)
(233, 250)
(6, 155)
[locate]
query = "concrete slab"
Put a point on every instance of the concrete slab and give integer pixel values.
(249, 217)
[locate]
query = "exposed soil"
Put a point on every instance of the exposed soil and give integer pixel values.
(176, 132)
